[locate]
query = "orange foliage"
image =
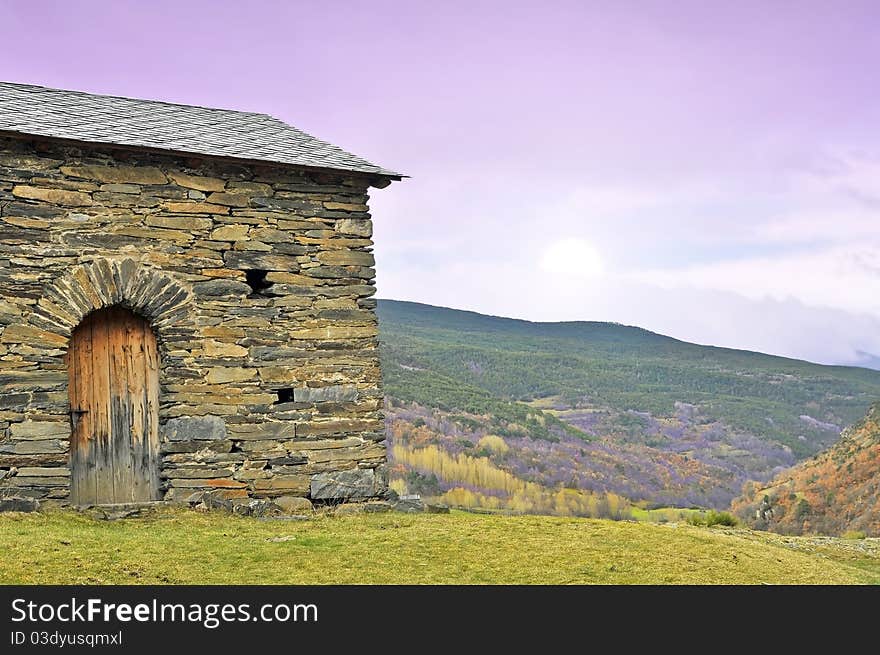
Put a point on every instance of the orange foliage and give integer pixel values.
(835, 492)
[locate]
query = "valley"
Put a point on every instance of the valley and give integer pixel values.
(593, 418)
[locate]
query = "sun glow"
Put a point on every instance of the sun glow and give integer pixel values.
(572, 257)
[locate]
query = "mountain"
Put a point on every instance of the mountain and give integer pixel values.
(595, 413)
(835, 492)
(868, 360)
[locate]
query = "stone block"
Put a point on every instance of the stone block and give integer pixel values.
(230, 233)
(49, 471)
(223, 374)
(256, 507)
(213, 348)
(229, 199)
(121, 188)
(40, 430)
(264, 430)
(31, 335)
(346, 485)
(345, 206)
(35, 447)
(201, 428)
(19, 504)
(180, 222)
(346, 258)
(195, 208)
(409, 505)
(356, 226)
(37, 481)
(333, 394)
(283, 485)
(117, 174)
(197, 182)
(260, 261)
(336, 332)
(54, 196)
(220, 288)
(338, 426)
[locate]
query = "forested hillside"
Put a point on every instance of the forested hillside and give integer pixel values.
(836, 492)
(600, 408)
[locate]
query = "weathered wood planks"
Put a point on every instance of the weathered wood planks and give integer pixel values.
(113, 366)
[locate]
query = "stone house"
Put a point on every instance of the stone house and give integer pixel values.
(185, 306)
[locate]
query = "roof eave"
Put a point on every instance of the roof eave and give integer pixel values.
(378, 179)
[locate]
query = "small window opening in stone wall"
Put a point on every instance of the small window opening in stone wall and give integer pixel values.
(256, 280)
(284, 396)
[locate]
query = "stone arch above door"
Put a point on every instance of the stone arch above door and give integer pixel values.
(105, 282)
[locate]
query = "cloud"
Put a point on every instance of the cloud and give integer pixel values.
(844, 277)
(710, 316)
(852, 175)
(830, 201)
(788, 265)
(833, 226)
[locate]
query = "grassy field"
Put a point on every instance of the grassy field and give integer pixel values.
(178, 546)
(663, 514)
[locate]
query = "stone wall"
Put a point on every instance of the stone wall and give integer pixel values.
(269, 380)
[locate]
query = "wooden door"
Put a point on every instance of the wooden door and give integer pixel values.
(113, 367)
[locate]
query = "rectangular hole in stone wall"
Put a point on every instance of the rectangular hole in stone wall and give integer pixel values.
(284, 396)
(256, 280)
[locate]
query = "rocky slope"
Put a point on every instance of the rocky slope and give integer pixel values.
(835, 492)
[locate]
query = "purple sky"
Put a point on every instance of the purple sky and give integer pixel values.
(710, 170)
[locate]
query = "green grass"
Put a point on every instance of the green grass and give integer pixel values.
(663, 514)
(179, 546)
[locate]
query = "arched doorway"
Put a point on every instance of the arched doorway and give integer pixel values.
(113, 368)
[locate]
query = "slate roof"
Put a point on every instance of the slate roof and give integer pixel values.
(79, 116)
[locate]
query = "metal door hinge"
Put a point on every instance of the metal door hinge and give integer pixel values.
(75, 416)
